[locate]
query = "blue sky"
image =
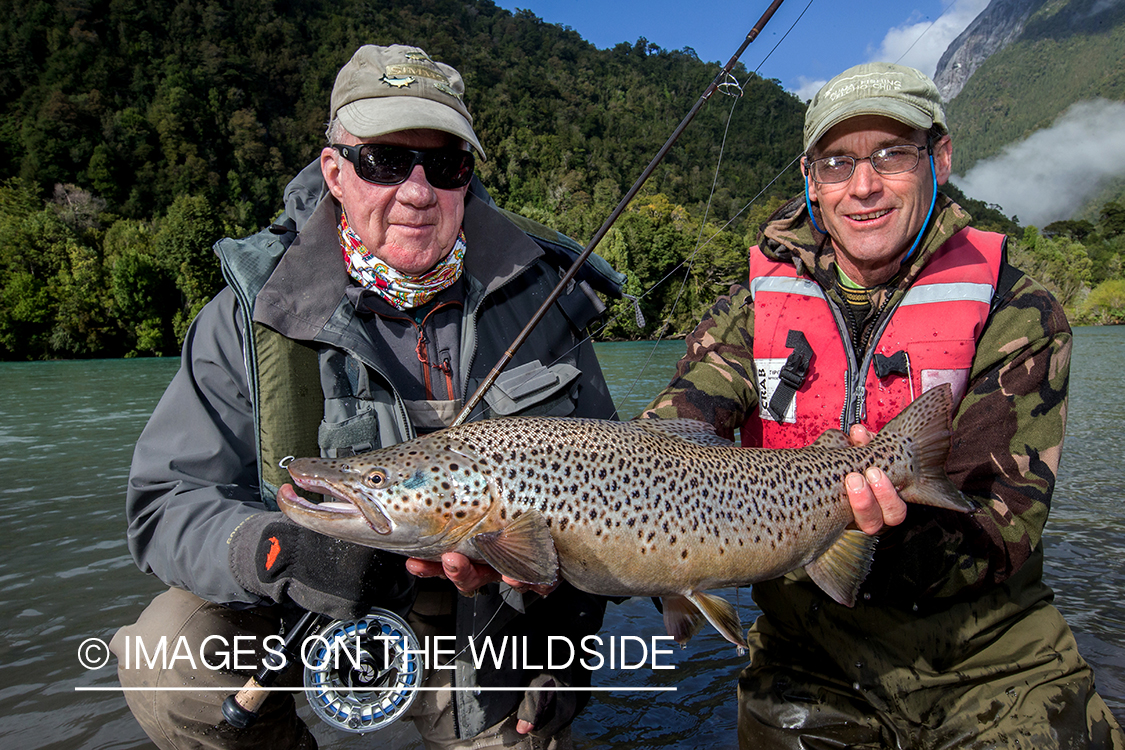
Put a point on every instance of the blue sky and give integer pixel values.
(830, 36)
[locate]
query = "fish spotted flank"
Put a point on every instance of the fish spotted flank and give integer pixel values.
(644, 508)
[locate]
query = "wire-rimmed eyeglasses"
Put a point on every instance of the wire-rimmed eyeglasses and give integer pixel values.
(886, 161)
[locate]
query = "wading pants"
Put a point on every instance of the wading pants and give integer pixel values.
(1001, 671)
(194, 719)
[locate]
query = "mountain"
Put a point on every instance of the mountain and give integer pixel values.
(142, 101)
(995, 28)
(1059, 53)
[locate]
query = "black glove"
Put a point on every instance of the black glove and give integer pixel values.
(547, 710)
(273, 557)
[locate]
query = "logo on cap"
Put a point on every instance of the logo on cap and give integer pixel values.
(398, 83)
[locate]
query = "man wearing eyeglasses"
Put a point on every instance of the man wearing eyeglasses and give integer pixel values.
(863, 292)
(378, 302)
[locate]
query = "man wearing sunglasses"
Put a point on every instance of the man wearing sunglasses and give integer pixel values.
(365, 316)
(865, 291)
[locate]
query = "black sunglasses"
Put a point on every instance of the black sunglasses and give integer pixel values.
(382, 164)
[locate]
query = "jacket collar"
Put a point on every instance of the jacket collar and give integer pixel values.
(307, 292)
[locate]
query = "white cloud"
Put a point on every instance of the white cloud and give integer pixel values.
(921, 43)
(807, 87)
(1051, 174)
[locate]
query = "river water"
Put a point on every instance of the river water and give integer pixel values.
(66, 435)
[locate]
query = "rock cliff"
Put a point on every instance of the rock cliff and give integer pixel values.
(995, 28)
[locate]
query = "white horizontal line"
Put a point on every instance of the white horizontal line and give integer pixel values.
(396, 690)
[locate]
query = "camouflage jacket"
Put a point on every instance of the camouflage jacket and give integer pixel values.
(1007, 432)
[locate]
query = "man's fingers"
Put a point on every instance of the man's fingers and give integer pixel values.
(859, 435)
(466, 575)
(875, 501)
(891, 506)
(424, 568)
(865, 508)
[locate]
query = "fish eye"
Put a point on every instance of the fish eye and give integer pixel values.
(376, 478)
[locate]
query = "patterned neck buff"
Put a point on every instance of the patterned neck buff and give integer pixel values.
(397, 288)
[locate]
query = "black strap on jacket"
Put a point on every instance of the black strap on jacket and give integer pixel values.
(792, 374)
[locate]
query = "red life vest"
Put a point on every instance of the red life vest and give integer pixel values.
(930, 338)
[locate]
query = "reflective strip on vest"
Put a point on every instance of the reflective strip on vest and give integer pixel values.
(955, 292)
(785, 285)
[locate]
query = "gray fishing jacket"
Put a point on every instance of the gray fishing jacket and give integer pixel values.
(197, 473)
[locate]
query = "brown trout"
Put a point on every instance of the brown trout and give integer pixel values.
(649, 507)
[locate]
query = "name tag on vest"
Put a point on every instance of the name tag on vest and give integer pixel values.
(768, 375)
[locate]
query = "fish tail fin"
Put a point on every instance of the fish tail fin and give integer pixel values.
(927, 422)
(843, 567)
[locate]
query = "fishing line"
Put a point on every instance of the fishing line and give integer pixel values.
(730, 82)
(567, 278)
(688, 264)
(783, 36)
(927, 29)
(614, 318)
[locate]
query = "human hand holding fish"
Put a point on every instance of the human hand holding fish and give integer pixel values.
(873, 497)
(468, 576)
(644, 508)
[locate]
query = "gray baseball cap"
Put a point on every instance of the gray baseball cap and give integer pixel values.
(388, 89)
(895, 91)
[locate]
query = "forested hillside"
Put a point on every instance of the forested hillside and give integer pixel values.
(1069, 51)
(134, 133)
(153, 127)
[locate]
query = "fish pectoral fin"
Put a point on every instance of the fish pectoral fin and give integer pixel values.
(842, 569)
(832, 439)
(523, 550)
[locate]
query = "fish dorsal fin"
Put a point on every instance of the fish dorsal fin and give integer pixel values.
(832, 439)
(523, 550)
(841, 570)
(690, 430)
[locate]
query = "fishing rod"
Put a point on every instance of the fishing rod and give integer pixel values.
(241, 709)
(719, 79)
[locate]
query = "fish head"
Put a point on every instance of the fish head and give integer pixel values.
(420, 498)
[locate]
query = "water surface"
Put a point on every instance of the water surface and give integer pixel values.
(67, 431)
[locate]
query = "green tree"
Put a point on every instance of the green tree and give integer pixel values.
(1105, 305)
(183, 246)
(1059, 263)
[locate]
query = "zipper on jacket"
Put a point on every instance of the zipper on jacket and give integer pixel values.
(855, 379)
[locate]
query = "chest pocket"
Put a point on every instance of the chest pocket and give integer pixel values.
(535, 390)
(358, 415)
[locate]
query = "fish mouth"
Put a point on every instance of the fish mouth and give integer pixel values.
(328, 513)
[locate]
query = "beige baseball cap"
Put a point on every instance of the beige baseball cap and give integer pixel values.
(388, 89)
(895, 91)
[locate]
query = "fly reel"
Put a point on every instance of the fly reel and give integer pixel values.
(362, 675)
